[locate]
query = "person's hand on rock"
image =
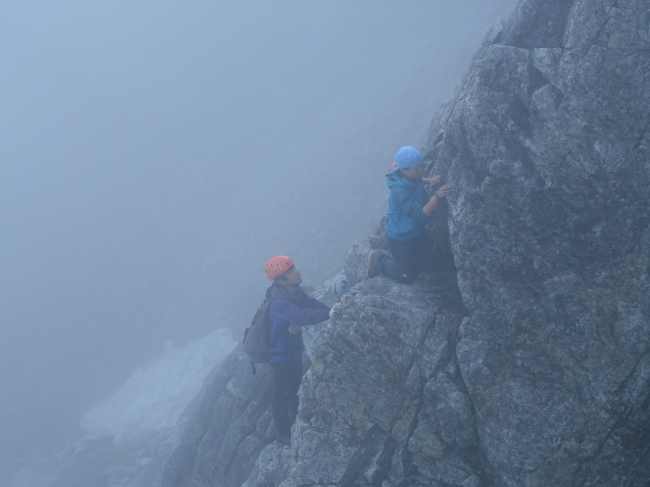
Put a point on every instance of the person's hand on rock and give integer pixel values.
(443, 191)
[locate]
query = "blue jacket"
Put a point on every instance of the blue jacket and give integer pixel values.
(299, 309)
(405, 202)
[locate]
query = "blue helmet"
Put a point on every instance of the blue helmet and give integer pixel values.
(407, 157)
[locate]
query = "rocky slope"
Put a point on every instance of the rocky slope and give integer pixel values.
(538, 372)
(376, 368)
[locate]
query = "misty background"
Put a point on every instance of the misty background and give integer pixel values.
(153, 155)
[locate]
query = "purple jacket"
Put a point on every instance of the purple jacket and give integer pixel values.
(299, 309)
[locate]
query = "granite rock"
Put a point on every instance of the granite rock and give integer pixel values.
(546, 145)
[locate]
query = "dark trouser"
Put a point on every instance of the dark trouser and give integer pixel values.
(287, 377)
(408, 258)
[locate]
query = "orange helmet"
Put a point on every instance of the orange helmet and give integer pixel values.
(277, 266)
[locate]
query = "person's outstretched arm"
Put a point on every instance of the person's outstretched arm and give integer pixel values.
(300, 316)
(433, 202)
(315, 303)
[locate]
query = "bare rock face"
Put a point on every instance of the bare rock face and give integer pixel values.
(546, 145)
(535, 370)
(370, 408)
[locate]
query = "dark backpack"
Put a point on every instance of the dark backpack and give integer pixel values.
(257, 337)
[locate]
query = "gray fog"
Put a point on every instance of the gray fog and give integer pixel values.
(154, 154)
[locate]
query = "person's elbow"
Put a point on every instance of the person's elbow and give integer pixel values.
(427, 210)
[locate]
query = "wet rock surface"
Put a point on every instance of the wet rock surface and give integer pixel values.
(525, 360)
(547, 147)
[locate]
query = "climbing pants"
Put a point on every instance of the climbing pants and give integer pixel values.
(287, 377)
(408, 258)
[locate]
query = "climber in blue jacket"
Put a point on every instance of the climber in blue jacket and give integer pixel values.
(290, 309)
(409, 208)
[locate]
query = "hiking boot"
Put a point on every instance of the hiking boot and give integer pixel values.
(374, 263)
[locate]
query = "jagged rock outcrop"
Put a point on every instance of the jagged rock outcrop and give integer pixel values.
(540, 376)
(384, 399)
(383, 378)
(547, 147)
(227, 429)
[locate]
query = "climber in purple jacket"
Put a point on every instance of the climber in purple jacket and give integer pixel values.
(290, 309)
